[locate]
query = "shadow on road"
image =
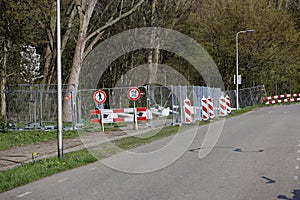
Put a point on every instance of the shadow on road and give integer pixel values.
(198, 149)
(236, 149)
(241, 150)
(269, 181)
(296, 196)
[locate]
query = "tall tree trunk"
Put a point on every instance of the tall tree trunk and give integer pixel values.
(153, 54)
(3, 82)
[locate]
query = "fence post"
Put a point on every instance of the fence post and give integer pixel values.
(41, 106)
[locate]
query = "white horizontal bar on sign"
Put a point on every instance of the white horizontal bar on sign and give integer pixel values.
(124, 115)
(128, 110)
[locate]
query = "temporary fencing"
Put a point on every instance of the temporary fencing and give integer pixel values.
(166, 105)
(247, 96)
(33, 106)
(37, 105)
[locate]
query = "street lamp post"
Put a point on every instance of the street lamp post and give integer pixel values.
(59, 85)
(237, 65)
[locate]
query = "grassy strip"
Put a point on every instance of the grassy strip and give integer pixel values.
(27, 173)
(38, 169)
(17, 138)
(247, 109)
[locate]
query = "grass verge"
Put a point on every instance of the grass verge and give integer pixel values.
(33, 171)
(18, 138)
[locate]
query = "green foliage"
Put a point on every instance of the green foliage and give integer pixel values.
(269, 56)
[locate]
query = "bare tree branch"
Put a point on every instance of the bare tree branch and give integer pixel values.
(112, 22)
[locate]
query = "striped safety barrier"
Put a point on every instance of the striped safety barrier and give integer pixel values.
(228, 104)
(187, 111)
(282, 101)
(282, 96)
(119, 115)
(204, 106)
(223, 108)
(210, 104)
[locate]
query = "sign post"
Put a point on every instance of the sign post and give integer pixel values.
(134, 94)
(100, 98)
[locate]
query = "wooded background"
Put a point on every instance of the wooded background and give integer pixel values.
(269, 56)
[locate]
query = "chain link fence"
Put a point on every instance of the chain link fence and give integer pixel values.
(166, 103)
(248, 96)
(35, 106)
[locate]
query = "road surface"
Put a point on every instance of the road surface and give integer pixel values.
(257, 157)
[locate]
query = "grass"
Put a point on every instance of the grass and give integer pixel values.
(16, 138)
(42, 168)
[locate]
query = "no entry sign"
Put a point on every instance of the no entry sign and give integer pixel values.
(134, 93)
(99, 96)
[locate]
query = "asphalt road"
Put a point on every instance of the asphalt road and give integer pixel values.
(257, 157)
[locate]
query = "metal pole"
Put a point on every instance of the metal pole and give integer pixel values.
(237, 65)
(59, 86)
(41, 106)
(237, 70)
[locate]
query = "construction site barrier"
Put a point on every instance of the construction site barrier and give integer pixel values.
(119, 115)
(283, 98)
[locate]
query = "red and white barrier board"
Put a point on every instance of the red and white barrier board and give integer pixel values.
(282, 96)
(283, 101)
(119, 115)
(210, 105)
(223, 108)
(204, 106)
(187, 111)
(228, 105)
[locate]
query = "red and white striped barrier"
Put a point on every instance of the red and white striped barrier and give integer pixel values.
(282, 96)
(204, 106)
(283, 101)
(119, 115)
(187, 111)
(223, 108)
(210, 105)
(228, 105)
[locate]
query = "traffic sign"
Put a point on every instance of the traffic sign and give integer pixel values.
(134, 93)
(99, 97)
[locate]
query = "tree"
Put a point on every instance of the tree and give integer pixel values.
(265, 56)
(17, 28)
(89, 34)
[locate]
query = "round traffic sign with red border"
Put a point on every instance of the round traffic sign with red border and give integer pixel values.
(134, 93)
(99, 97)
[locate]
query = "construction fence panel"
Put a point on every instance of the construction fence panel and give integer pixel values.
(34, 105)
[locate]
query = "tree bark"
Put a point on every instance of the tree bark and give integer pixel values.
(3, 81)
